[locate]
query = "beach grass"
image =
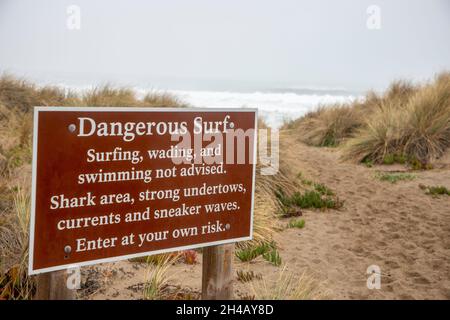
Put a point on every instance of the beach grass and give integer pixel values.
(408, 124)
(288, 287)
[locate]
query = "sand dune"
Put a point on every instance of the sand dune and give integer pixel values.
(394, 226)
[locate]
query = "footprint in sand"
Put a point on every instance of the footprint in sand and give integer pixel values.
(418, 278)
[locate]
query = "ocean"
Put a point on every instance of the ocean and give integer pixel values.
(274, 107)
(275, 104)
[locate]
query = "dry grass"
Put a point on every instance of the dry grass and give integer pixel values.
(408, 121)
(418, 130)
(158, 276)
(21, 95)
(109, 96)
(14, 283)
(289, 287)
(266, 203)
(381, 135)
(329, 126)
(161, 99)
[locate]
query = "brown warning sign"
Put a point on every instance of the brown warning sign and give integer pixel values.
(117, 183)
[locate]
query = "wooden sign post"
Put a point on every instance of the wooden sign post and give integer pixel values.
(119, 183)
(217, 273)
(53, 286)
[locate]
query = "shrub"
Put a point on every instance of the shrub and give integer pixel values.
(428, 121)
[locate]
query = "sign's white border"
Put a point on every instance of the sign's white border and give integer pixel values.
(37, 110)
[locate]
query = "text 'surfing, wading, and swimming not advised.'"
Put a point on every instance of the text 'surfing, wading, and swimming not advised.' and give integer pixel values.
(114, 183)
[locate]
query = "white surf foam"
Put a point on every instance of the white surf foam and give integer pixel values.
(274, 108)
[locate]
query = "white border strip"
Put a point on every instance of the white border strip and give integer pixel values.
(32, 271)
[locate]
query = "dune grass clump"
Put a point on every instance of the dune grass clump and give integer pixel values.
(272, 256)
(408, 124)
(109, 96)
(161, 99)
(416, 132)
(21, 95)
(429, 121)
(15, 140)
(288, 287)
(266, 203)
(247, 276)
(381, 136)
(268, 251)
(157, 277)
(329, 126)
(14, 283)
(251, 253)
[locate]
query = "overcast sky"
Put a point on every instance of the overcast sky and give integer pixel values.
(196, 43)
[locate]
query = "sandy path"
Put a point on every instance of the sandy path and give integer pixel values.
(394, 226)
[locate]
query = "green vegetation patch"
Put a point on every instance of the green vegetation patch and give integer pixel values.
(273, 256)
(268, 251)
(435, 190)
(296, 223)
(395, 177)
(308, 199)
(394, 158)
(249, 254)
